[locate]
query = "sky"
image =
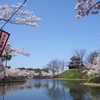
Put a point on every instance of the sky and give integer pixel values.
(59, 33)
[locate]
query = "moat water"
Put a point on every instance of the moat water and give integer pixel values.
(47, 89)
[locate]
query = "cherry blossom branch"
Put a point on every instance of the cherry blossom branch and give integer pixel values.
(84, 7)
(23, 17)
(92, 6)
(14, 14)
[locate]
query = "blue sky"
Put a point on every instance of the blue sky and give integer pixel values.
(58, 35)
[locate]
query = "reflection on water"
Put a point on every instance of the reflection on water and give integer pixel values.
(40, 89)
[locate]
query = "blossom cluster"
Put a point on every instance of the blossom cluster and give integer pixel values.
(9, 50)
(14, 73)
(85, 7)
(22, 17)
(94, 69)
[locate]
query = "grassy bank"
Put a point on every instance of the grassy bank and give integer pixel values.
(77, 75)
(74, 74)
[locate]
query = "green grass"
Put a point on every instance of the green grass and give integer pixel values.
(76, 74)
(94, 79)
(72, 74)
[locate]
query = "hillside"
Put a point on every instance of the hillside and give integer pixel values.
(73, 74)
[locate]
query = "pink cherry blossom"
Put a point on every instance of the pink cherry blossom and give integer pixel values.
(21, 17)
(85, 7)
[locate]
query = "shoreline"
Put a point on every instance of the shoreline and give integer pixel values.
(12, 80)
(85, 84)
(91, 84)
(6, 81)
(70, 79)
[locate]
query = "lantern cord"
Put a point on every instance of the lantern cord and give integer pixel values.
(13, 14)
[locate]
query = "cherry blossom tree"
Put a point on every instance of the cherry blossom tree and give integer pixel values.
(93, 68)
(16, 73)
(85, 7)
(10, 51)
(14, 15)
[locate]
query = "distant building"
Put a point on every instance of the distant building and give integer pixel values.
(75, 63)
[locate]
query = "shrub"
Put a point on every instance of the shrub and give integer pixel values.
(94, 79)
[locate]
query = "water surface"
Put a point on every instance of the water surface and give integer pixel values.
(47, 89)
